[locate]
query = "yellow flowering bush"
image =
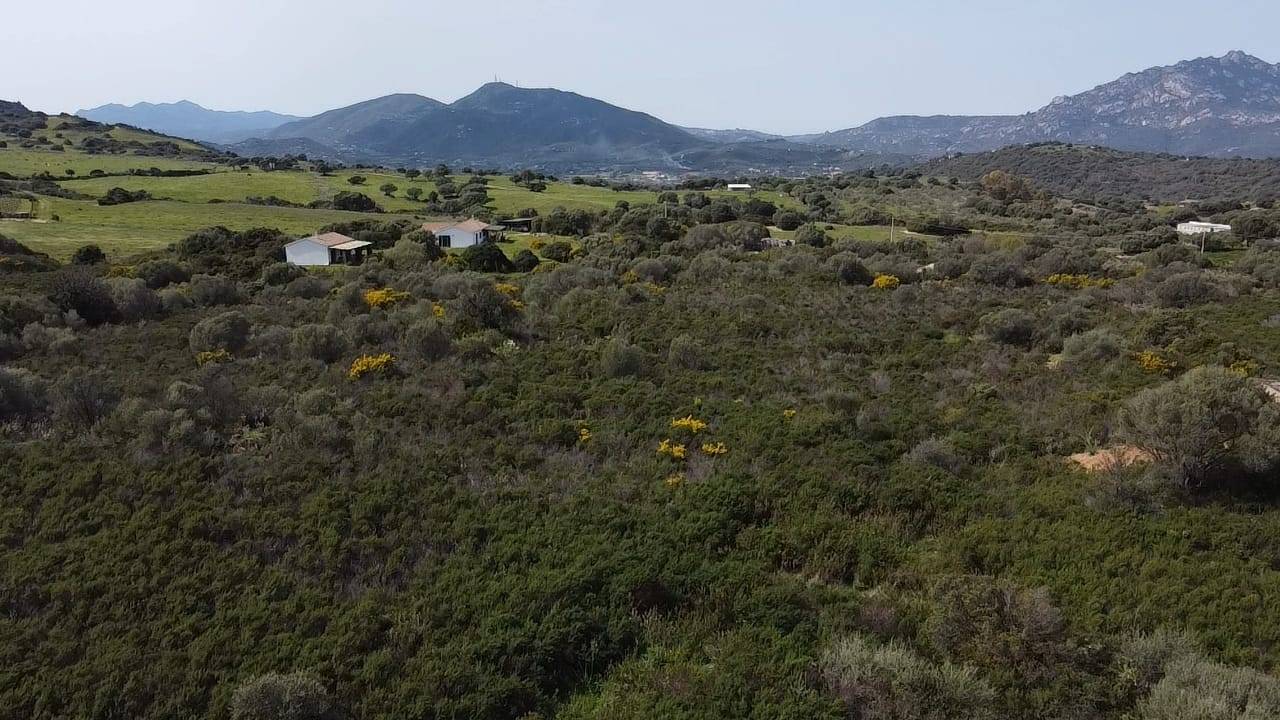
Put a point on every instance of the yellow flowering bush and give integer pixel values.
(537, 244)
(584, 435)
(1078, 281)
(671, 450)
(509, 289)
(207, 357)
(630, 277)
(886, 282)
(366, 364)
(437, 309)
(1153, 362)
(674, 480)
(715, 449)
(689, 423)
(654, 288)
(789, 413)
(1244, 368)
(384, 297)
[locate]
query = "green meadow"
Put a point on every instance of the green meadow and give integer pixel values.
(123, 230)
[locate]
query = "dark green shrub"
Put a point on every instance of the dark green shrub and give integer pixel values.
(228, 331)
(88, 255)
(325, 343)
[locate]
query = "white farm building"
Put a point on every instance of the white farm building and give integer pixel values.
(462, 234)
(1202, 228)
(739, 187)
(327, 249)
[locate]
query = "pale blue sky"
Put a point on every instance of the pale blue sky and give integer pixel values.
(777, 65)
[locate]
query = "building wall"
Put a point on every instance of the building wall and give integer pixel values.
(460, 239)
(305, 252)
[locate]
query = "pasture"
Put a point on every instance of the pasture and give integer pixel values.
(122, 230)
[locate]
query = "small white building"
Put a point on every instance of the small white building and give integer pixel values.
(327, 249)
(1202, 228)
(462, 234)
(739, 187)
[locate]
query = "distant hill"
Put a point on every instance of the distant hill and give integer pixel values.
(1091, 172)
(736, 135)
(335, 128)
(500, 125)
(1223, 107)
(189, 120)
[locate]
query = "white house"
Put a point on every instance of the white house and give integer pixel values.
(327, 249)
(1202, 228)
(739, 187)
(462, 234)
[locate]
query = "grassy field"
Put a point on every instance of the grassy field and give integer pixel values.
(230, 186)
(21, 162)
(131, 228)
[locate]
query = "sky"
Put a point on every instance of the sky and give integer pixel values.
(785, 66)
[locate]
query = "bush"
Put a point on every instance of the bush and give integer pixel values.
(228, 331)
(811, 235)
(296, 696)
(559, 251)
(788, 220)
(850, 269)
(891, 682)
(1203, 690)
(88, 255)
(1204, 420)
(325, 343)
(161, 273)
(620, 359)
(134, 300)
(413, 250)
(80, 399)
(281, 273)
(1009, 326)
(213, 290)
(936, 453)
(1095, 346)
(487, 257)
(354, 202)
(310, 287)
(1187, 289)
(88, 296)
(120, 196)
(525, 261)
(428, 340)
(22, 395)
(686, 353)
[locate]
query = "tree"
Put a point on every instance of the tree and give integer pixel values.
(487, 257)
(788, 219)
(357, 179)
(88, 255)
(388, 189)
(357, 202)
(413, 193)
(412, 173)
(1203, 421)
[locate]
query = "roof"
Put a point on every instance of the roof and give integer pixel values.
(353, 245)
(472, 226)
(331, 239)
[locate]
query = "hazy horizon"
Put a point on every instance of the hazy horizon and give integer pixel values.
(809, 67)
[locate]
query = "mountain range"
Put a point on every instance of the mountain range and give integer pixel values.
(1217, 106)
(189, 120)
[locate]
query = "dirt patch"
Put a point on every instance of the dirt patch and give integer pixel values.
(1117, 456)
